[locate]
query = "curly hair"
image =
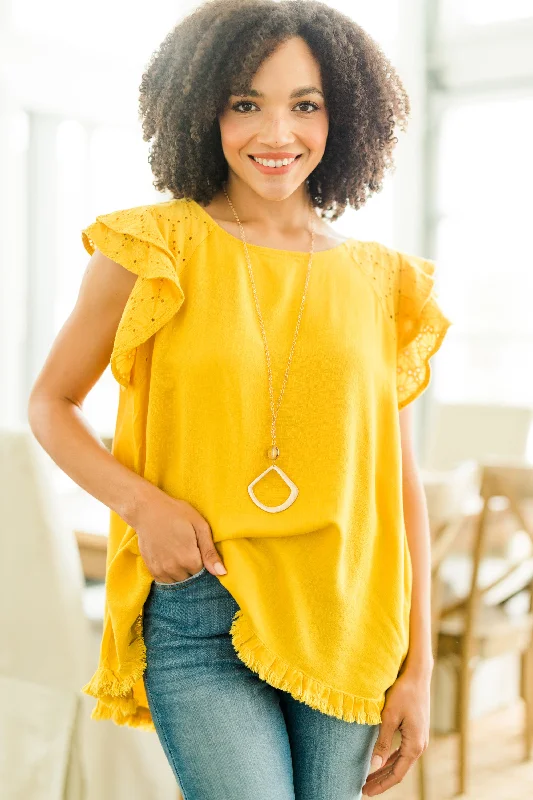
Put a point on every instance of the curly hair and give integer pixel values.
(220, 45)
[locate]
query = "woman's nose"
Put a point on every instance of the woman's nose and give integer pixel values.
(276, 129)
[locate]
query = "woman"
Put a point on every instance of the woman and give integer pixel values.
(267, 587)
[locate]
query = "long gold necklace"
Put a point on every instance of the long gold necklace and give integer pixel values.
(273, 451)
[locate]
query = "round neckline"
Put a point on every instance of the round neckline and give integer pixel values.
(271, 250)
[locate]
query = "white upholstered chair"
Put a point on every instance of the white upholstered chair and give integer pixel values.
(50, 624)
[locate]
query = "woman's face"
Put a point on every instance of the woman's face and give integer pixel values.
(284, 116)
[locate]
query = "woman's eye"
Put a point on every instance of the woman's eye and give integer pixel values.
(240, 104)
(314, 106)
(235, 106)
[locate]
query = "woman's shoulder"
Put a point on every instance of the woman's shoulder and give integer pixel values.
(174, 226)
(391, 269)
(176, 209)
(165, 213)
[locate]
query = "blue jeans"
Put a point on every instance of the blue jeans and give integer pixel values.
(227, 734)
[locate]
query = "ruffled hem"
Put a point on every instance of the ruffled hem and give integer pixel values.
(132, 238)
(421, 326)
(115, 694)
(414, 368)
(275, 671)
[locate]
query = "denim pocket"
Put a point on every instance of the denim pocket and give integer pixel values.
(179, 584)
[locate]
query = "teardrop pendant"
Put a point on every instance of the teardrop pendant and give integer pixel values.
(273, 452)
(288, 502)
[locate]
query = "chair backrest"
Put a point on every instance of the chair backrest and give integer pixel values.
(45, 633)
(464, 431)
(514, 482)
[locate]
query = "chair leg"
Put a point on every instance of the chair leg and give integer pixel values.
(465, 674)
(526, 690)
(422, 777)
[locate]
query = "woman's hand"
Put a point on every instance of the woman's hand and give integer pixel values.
(407, 707)
(175, 541)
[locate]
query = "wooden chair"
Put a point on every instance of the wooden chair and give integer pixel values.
(480, 625)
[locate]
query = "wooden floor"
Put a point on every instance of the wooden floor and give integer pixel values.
(498, 771)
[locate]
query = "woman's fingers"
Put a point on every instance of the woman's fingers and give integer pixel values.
(204, 537)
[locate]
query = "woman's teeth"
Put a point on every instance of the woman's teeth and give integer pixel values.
(269, 162)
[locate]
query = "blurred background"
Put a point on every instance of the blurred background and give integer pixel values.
(71, 148)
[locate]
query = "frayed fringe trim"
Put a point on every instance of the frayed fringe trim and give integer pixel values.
(272, 669)
(114, 692)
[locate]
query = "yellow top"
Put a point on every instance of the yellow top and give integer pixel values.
(324, 586)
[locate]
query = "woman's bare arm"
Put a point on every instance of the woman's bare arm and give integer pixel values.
(76, 361)
(420, 656)
(174, 538)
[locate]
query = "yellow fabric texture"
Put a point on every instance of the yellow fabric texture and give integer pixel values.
(324, 586)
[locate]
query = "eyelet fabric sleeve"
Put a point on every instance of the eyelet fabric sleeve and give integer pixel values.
(420, 324)
(133, 238)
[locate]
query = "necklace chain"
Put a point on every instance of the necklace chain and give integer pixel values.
(273, 452)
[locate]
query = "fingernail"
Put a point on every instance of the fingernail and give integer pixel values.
(220, 569)
(375, 763)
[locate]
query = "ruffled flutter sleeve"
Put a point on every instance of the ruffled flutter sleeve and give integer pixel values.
(133, 238)
(420, 324)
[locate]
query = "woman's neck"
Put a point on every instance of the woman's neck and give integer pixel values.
(278, 218)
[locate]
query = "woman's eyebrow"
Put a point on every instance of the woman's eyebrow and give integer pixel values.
(303, 90)
(300, 92)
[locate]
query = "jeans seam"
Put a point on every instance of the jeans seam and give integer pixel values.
(158, 718)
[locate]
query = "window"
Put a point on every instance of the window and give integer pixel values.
(94, 170)
(483, 251)
(483, 12)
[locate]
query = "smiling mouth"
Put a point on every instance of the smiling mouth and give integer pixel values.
(275, 163)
